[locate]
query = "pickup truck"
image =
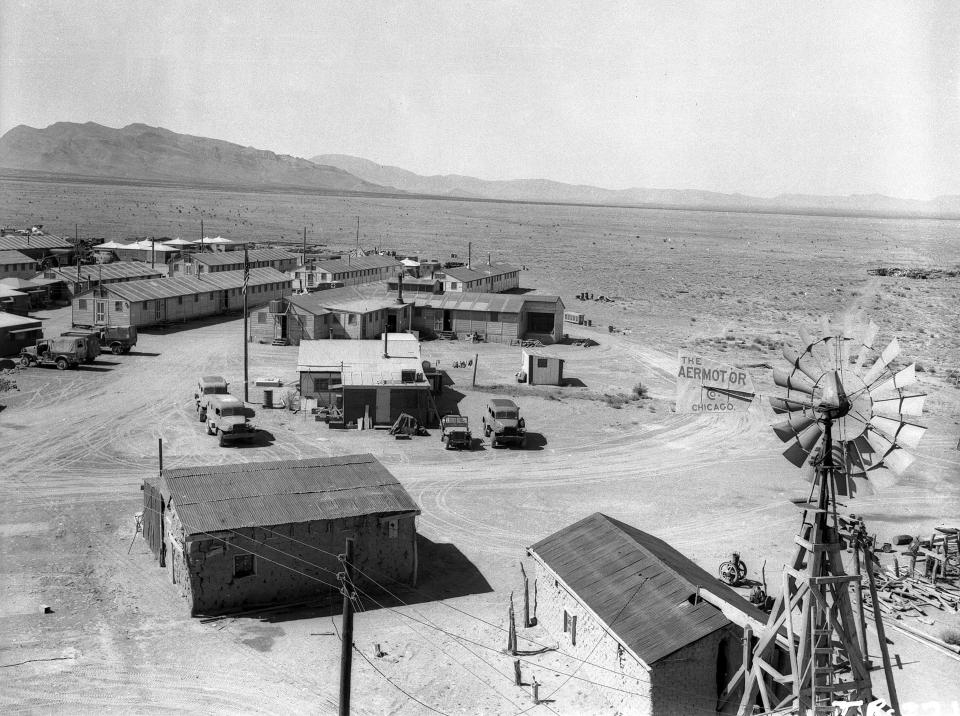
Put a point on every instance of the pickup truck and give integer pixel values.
(455, 432)
(207, 386)
(502, 423)
(227, 418)
(63, 352)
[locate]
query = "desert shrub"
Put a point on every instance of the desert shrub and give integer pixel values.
(951, 636)
(639, 391)
(615, 401)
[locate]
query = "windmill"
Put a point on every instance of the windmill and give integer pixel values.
(842, 421)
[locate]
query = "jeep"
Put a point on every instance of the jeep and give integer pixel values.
(455, 432)
(227, 419)
(208, 385)
(503, 424)
(64, 352)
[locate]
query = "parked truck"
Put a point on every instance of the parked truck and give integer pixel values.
(116, 339)
(91, 343)
(207, 386)
(228, 419)
(63, 352)
(502, 423)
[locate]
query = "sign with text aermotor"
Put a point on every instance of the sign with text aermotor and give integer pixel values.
(705, 386)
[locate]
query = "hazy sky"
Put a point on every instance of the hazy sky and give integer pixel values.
(761, 98)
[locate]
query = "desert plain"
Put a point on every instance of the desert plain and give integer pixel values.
(76, 445)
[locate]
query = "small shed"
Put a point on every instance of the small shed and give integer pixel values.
(13, 301)
(541, 368)
(18, 332)
(261, 533)
(663, 631)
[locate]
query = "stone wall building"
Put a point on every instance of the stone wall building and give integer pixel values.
(649, 621)
(255, 534)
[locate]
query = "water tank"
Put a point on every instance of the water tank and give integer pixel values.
(277, 306)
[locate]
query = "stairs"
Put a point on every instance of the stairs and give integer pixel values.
(281, 342)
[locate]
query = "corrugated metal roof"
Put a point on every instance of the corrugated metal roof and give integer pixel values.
(362, 298)
(17, 242)
(617, 569)
(478, 271)
(150, 289)
(355, 263)
(15, 257)
(501, 302)
(111, 272)
(222, 497)
(226, 258)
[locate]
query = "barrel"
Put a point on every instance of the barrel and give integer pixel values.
(268, 397)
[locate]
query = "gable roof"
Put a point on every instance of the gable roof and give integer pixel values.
(19, 242)
(640, 586)
(479, 271)
(155, 288)
(9, 320)
(361, 298)
(15, 257)
(502, 302)
(225, 258)
(109, 272)
(279, 492)
(355, 263)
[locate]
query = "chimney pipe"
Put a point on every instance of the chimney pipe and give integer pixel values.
(400, 287)
(469, 252)
(386, 354)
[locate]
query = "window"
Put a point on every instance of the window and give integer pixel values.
(408, 376)
(261, 317)
(541, 362)
(179, 300)
(570, 626)
(82, 304)
(146, 305)
(352, 318)
(453, 285)
(494, 316)
(243, 565)
(118, 306)
(196, 298)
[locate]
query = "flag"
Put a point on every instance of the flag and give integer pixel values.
(246, 269)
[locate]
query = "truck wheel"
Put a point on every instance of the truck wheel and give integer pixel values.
(486, 430)
(222, 438)
(24, 361)
(61, 364)
(116, 349)
(210, 431)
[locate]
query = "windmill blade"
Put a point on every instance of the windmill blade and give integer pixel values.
(901, 433)
(899, 405)
(809, 346)
(888, 354)
(896, 458)
(866, 343)
(865, 452)
(845, 347)
(900, 379)
(785, 379)
(792, 427)
(804, 362)
(799, 452)
(783, 405)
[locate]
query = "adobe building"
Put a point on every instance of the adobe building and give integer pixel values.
(254, 534)
(375, 380)
(163, 301)
(496, 317)
(662, 630)
(359, 312)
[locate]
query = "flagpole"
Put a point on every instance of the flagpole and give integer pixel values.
(246, 278)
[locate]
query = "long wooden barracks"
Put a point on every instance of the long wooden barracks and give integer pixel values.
(176, 300)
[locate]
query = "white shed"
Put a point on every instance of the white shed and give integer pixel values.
(541, 369)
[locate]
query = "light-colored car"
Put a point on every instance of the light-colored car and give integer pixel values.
(208, 385)
(502, 423)
(228, 419)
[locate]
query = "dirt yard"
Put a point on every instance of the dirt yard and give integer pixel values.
(75, 446)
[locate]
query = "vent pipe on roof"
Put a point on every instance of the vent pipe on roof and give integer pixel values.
(400, 287)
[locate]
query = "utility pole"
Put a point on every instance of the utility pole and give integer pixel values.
(358, 235)
(304, 245)
(346, 652)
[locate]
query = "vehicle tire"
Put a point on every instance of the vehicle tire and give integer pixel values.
(116, 349)
(62, 364)
(486, 430)
(210, 431)
(24, 361)
(221, 438)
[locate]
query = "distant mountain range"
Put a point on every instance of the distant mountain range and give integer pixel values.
(140, 152)
(544, 190)
(153, 154)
